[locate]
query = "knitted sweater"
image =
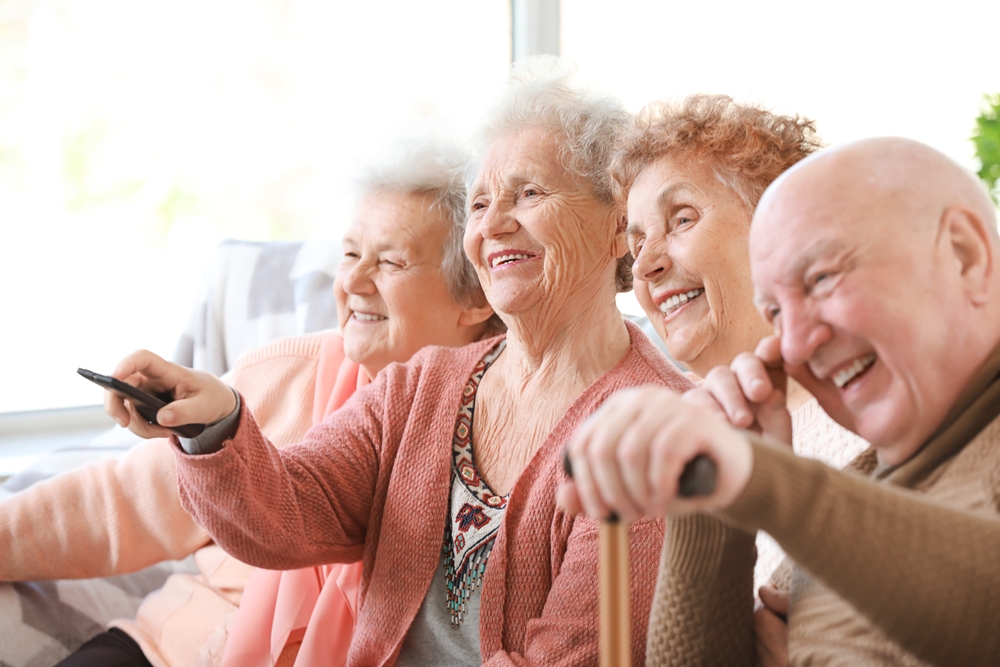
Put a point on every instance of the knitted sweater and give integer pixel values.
(119, 516)
(896, 569)
(372, 481)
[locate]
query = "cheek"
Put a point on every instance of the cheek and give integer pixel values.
(340, 297)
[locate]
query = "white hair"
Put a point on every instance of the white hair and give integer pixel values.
(428, 164)
(543, 92)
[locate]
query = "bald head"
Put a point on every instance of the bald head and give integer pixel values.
(875, 263)
(918, 180)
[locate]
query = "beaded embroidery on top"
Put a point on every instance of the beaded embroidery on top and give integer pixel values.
(476, 512)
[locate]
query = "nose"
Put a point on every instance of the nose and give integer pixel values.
(357, 278)
(499, 219)
(802, 332)
(653, 261)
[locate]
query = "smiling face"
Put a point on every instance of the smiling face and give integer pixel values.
(863, 292)
(538, 238)
(688, 233)
(392, 298)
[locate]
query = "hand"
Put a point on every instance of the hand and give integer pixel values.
(628, 457)
(771, 628)
(199, 398)
(751, 392)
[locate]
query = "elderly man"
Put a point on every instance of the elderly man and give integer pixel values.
(877, 265)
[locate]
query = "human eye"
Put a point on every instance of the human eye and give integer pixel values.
(635, 244)
(683, 218)
(478, 205)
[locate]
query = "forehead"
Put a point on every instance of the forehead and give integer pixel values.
(519, 156)
(787, 238)
(666, 183)
(397, 220)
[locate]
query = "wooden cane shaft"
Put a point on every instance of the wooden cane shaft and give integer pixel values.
(615, 641)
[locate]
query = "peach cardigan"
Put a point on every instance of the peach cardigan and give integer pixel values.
(119, 516)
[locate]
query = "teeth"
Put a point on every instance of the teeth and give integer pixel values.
(365, 317)
(843, 377)
(678, 300)
(497, 261)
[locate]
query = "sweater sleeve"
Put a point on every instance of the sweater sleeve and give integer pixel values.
(703, 608)
(307, 504)
(566, 633)
(106, 518)
(927, 575)
(119, 516)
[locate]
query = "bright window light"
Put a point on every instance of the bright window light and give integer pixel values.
(134, 136)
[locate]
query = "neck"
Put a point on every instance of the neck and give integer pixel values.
(569, 350)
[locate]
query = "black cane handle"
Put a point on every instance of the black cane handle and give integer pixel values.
(698, 478)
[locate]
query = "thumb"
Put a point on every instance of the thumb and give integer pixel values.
(776, 600)
(207, 406)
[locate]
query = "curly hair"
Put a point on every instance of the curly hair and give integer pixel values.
(746, 146)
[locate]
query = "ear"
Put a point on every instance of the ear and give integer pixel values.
(620, 245)
(970, 244)
(475, 314)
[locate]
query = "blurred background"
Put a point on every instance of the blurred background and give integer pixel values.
(135, 135)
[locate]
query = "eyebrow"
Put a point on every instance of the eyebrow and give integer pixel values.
(809, 257)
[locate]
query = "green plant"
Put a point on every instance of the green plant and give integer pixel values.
(986, 138)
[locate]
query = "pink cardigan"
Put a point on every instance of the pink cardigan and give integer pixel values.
(372, 482)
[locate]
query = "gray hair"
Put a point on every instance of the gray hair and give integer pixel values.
(424, 163)
(541, 92)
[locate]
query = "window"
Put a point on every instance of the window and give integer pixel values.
(136, 136)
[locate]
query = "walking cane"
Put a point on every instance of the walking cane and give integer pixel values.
(615, 638)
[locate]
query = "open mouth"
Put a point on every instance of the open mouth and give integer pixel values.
(678, 300)
(368, 317)
(502, 259)
(849, 374)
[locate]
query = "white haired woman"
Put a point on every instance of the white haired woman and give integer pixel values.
(404, 283)
(441, 474)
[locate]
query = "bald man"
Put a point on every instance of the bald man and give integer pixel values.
(877, 265)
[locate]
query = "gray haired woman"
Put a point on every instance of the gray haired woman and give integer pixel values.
(441, 474)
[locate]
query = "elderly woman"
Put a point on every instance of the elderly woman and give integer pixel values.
(441, 474)
(690, 175)
(404, 283)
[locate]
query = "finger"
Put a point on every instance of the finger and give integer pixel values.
(753, 377)
(204, 405)
(605, 466)
(147, 371)
(768, 350)
(725, 388)
(634, 453)
(774, 599)
(567, 498)
(704, 399)
(771, 635)
(587, 493)
(139, 425)
(114, 406)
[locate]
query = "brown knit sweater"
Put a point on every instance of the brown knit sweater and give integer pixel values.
(900, 568)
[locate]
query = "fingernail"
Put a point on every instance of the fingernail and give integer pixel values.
(165, 417)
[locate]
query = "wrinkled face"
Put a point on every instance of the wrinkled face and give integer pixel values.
(688, 233)
(865, 306)
(392, 298)
(537, 236)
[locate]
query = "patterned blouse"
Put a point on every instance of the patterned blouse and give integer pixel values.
(476, 512)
